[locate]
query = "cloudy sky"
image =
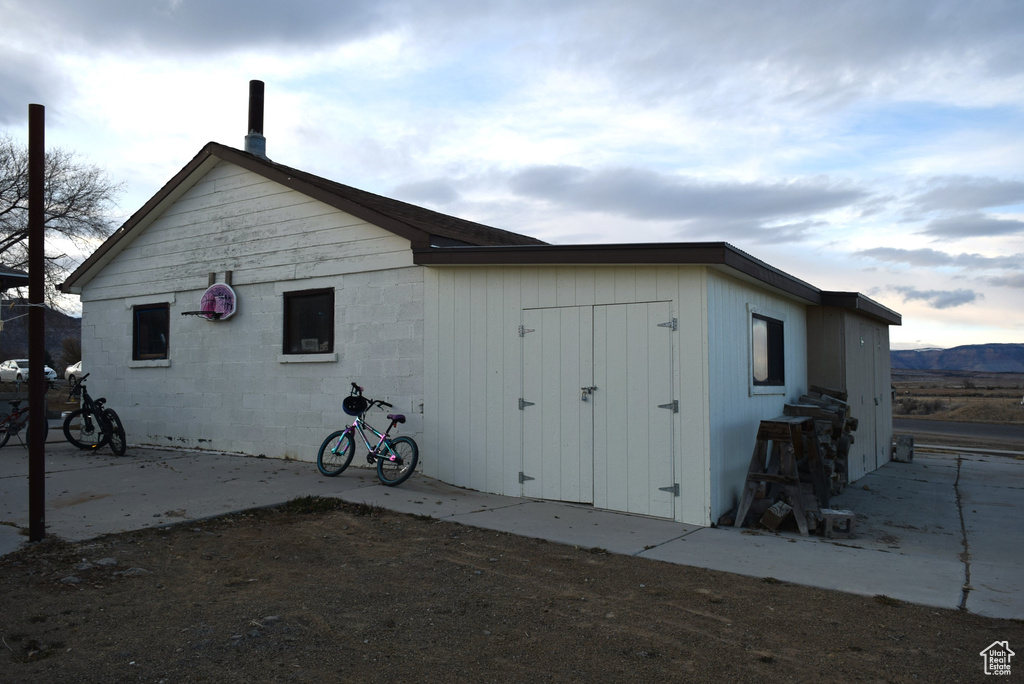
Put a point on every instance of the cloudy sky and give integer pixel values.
(872, 146)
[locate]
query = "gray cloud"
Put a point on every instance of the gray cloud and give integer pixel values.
(932, 258)
(803, 51)
(209, 26)
(647, 195)
(939, 299)
(1014, 281)
(965, 193)
(25, 80)
(832, 50)
(974, 224)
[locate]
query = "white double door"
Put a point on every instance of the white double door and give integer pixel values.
(598, 407)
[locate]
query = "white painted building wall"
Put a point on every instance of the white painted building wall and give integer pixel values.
(226, 385)
(473, 353)
(736, 409)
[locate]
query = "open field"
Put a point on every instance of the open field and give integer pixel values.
(965, 396)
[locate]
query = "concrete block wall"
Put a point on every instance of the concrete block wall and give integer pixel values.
(227, 386)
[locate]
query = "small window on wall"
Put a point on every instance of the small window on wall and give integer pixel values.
(768, 351)
(309, 322)
(151, 324)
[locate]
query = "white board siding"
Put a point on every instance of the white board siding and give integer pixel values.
(488, 455)
(558, 429)
(225, 387)
(735, 413)
(634, 453)
(869, 394)
(251, 228)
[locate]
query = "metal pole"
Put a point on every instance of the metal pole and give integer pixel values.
(36, 324)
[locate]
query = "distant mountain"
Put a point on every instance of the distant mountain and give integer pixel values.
(14, 335)
(989, 358)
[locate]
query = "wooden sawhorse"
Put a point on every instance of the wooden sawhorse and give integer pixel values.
(778, 467)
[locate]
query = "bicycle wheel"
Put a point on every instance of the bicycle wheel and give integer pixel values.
(336, 453)
(118, 441)
(406, 454)
(5, 427)
(82, 428)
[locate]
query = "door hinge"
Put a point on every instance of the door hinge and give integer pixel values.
(674, 489)
(671, 325)
(523, 403)
(523, 330)
(674, 405)
(524, 477)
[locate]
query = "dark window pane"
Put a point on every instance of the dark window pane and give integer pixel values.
(309, 322)
(150, 331)
(768, 351)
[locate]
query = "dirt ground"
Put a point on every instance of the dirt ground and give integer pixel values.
(321, 591)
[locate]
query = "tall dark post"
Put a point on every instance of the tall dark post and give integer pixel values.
(36, 325)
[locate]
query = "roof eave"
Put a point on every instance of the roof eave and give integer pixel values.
(865, 305)
(715, 254)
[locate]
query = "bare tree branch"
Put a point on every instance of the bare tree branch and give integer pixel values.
(77, 200)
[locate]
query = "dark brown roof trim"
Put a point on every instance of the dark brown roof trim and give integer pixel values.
(696, 253)
(715, 254)
(858, 302)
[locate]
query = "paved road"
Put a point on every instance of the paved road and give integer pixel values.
(1002, 433)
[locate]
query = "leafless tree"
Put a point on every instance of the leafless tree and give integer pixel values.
(78, 197)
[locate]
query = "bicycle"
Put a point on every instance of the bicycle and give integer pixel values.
(97, 424)
(14, 422)
(396, 458)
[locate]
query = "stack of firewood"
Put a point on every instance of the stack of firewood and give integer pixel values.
(834, 426)
(819, 474)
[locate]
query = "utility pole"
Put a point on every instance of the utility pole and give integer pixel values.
(36, 324)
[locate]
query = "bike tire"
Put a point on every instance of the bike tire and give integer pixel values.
(118, 440)
(88, 435)
(5, 423)
(391, 473)
(336, 453)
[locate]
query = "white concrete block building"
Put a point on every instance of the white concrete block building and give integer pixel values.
(630, 377)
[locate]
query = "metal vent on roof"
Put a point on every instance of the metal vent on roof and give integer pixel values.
(255, 143)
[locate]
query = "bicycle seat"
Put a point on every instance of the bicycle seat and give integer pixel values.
(397, 417)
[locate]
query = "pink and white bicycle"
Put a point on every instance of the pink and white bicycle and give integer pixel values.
(396, 457)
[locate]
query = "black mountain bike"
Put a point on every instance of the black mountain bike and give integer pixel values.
(93, 425)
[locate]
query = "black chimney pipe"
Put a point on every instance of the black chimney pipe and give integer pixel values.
(255, 143)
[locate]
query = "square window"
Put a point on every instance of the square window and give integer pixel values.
(768, 351)
(151, 324)
(309, 322)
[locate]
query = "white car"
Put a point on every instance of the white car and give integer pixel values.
(16, 370)
(73, 372)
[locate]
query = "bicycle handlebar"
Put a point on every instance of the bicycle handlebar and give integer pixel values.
(358, 391)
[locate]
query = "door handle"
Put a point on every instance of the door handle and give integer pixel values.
(586, 391)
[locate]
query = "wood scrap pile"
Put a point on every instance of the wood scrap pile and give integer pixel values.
(779, 488)
(834, 428)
